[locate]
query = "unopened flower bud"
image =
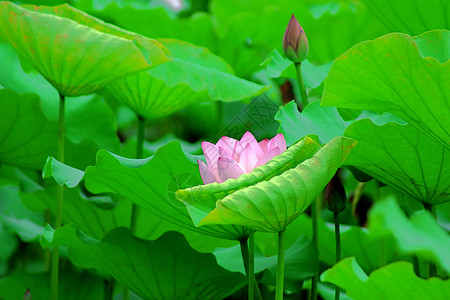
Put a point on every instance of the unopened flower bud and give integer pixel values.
(335, 195)
(295, 43)
(27, 295)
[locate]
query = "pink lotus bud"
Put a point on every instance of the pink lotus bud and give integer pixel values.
(295, 43)
(230, 158)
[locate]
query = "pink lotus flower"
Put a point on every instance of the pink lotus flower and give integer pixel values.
(230, 158)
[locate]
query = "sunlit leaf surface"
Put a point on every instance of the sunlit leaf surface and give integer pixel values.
(138, 181)
(411, 16)
(76, 59)
(390, 75)
(193, 75)
(403, 157)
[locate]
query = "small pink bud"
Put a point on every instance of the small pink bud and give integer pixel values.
(295, 43)
(27, 295)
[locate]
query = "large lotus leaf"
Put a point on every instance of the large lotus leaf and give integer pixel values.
(278, 66)
(270, 205)
(389, 74)
(166, 268)
(201, 200)
(24, 131)
(193, 75)
(97, 215)
(394, 281)
(420, 235)
(403, 157)
(411, 16)
(151, 184)
(72, 286)
(74, 58)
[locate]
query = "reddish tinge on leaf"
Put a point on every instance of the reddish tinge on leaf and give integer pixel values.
(295, 43)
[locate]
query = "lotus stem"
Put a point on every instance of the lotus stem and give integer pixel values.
(134, 207)
(316, 204)
(304, 97)
(246, 255)
(126, 293)
(337, 234)
(315, 237)
(251, 265)
(280, 266)
(59, 199)
(432, 272)
(139, 151)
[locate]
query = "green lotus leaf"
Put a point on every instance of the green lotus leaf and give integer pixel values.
(394, 281)
(151, 184)
(420, 234)
(411, 16)
(389, 74)
(272, 196)
(24, 131)
(166, 268)
(278, 66)
(95, 215)
(16, 218)
(28, 137)
(314, 119)
(63, 174)
(193, 75)
(403, 157)
(76, 56)
(156, 22)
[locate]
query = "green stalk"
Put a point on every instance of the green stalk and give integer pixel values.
(280, 266)
(316, 204)
(126, 293)
(315, 237)
(59, 199)
(139, 150)
(251, 265)
(337, 234)
(247, 256)
(134, 207)
(304, 99)
(432, 269)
